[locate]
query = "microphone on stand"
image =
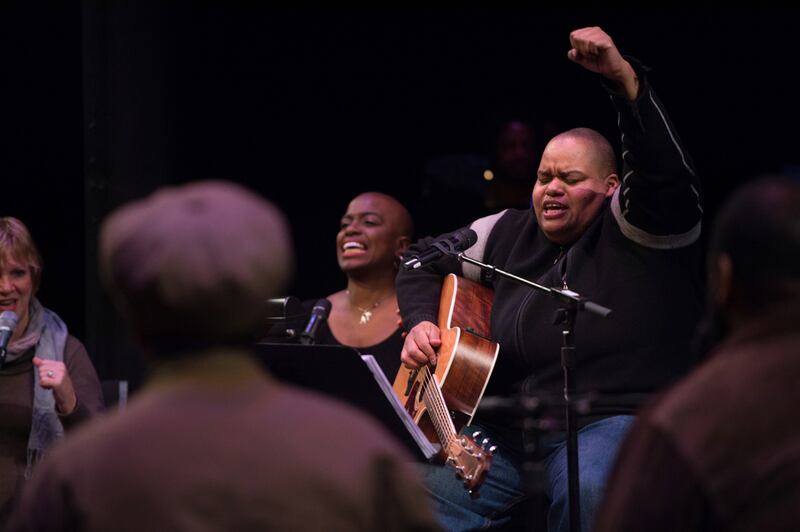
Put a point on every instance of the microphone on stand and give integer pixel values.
(449, 245)
(318, 315)
(8, 322)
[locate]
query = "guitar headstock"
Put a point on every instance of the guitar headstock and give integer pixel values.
(472, 461)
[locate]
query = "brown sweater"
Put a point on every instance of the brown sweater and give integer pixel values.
(721, 449)
(16, 401)
(211, 443)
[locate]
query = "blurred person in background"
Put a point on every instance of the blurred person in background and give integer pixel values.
(720, 450)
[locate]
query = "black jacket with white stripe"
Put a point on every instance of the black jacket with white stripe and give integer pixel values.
(640, 257)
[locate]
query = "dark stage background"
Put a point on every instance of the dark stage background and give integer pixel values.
(104, 101)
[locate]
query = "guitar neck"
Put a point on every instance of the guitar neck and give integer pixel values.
(437, 410)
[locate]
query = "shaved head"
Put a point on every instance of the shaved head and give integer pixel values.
(603, 152)
(393, 210)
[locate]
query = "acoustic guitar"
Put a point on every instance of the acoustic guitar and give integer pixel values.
(443, 399)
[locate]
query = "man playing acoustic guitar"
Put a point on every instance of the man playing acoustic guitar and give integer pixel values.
(627, 240)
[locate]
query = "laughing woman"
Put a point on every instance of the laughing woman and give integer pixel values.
(374, 233)
(47, 382)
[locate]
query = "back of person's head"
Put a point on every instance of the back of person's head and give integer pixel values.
(193, 266)
(758, 229)
(16, 244)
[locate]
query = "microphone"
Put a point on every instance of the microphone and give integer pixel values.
(8, 322)
(318, 315)
(450, 245)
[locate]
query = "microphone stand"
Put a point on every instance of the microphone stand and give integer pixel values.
(570, 303)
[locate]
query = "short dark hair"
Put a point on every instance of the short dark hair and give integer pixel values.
(759, 229)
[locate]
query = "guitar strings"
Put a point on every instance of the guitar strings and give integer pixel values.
(437, 407)
(443, 407)
(434, 410)
(432, 405)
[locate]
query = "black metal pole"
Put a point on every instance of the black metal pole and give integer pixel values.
(568, 365)
(571, 302)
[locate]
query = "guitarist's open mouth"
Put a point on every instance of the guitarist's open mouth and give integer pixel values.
(553, 209)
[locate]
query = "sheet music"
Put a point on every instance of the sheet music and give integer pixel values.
(429, 450)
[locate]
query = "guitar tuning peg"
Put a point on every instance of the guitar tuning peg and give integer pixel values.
(492, 449)
(485, 443)
(476, 435)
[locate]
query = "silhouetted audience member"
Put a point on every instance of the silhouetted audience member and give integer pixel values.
(721, 449)
(47, 381)
(212, 442)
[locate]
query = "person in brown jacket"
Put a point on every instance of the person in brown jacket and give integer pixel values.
(212, 442)
(721, 449)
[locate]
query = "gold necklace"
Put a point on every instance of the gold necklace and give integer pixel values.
(366, 313)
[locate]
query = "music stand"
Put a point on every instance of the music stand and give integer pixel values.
(342, 372)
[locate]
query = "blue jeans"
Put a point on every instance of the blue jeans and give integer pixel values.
(504, 488)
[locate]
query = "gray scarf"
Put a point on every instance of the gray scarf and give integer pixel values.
(48, 333)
